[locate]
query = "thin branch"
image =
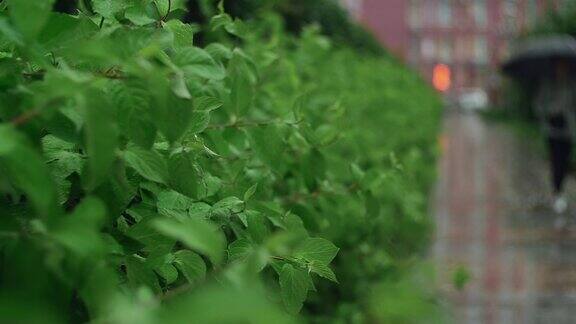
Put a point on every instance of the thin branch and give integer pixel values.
(25, 117)
(167, 11)
(36, 75)
(244, 124)
(112, 74)
(32, 113)
(109, 74)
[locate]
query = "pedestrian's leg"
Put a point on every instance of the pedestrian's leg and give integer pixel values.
(564, 148)
(559, 150)
(554, 153)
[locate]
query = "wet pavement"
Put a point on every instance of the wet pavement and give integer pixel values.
(492, 218)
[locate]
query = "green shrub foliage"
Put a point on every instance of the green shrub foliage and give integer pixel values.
(558, 21)
(333, 20)
(147, 180)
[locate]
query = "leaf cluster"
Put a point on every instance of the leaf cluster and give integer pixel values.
(145, 179)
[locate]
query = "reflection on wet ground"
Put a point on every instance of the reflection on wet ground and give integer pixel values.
(492, 218)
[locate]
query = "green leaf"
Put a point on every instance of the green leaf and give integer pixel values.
(257, 226)
(218, 303)
(184, 175)
(199, 210)
(206, 103)
(108, 8)
(30, 16)
(250, 192)
(101, 139)
(179, 87)
(219, 51)
(268, 144)
(200, 121)
(294, 224)
(139, 274)
(139, 14)
(322, 270)
(183, 33)
(133, 102)
(162, 6)
(242, 91)
(317, 249)
(63, 31)
(9, 33)
(245, 252)
(170, 114)
(293, 287)
(237, 28)
(168, 272)
(227, 206)
(191, 265)
(197, 234)
(239, 250)
(144, 232)
(63, 127)
(149, 164)
(195, 61)
(63, 161)
(174, 205)
(80, 231)
(220, 21)
(26, 168)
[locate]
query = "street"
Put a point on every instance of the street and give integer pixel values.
(492, 219)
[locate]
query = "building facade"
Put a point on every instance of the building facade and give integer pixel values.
(470, 37)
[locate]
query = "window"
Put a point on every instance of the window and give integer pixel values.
(459, 50)
(415, 49)
(480, 50)
(510, 8)
(445, 51)
(444, 13)
(503, 51)
(415, 16)
(532, 11)
(480, 13)
(471, 49)
(510, 15)
(470, 55)
(427, 13)
(428, 49)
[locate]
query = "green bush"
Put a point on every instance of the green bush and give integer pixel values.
(147, 180)
(333, 20)
(561, 21)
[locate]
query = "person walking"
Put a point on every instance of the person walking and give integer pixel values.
(555, 107)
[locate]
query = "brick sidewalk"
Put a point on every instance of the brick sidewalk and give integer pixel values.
(491, 217)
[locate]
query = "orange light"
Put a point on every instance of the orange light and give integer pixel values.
(442, 78)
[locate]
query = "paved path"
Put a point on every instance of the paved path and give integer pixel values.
(491, 218)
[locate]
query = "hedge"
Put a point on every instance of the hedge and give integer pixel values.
(262, 178)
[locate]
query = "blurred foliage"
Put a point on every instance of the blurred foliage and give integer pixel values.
(332, 19)
(561, 21)
(264, 177)
(461, 277)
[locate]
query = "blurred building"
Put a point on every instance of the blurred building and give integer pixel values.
(470, 37)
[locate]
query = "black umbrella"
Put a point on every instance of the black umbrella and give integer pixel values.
(534, 57)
